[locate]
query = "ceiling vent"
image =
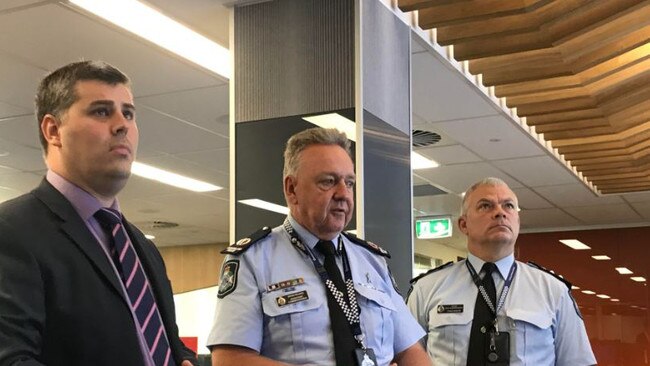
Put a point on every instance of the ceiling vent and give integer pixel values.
(425, 138)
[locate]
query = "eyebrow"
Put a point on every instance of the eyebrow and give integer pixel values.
(103, 102)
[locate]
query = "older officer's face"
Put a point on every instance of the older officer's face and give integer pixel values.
(491, 221)
(96, 139)
(321, 192)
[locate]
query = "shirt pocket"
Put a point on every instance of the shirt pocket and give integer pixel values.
(531, 335)
(376, 317)
(448, 336)
(292, 329)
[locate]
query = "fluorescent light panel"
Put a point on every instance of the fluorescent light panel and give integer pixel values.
(173, 179)
(601, 257)
(588, 292)
(335, 120)
(623, 270)
(418, 161)
(165, 32)
(574, 244)
(638, 279)
(266, 205)
(149, 236)
(602, 296)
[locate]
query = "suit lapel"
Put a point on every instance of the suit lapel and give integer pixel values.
(75, 228)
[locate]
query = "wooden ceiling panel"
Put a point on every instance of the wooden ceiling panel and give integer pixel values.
(578, 70)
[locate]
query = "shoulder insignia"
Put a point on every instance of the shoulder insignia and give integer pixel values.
(243, 244)
(367, 244)
(535, 265)
(432, 270)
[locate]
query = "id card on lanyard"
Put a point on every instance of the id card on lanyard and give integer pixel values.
(497, 348)
(348, 302)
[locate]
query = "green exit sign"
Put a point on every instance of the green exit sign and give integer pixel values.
(433, 228)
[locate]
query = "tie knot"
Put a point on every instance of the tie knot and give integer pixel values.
(489, 267)
(108, 217)
(326, 248)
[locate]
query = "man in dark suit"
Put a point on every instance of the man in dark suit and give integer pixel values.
(80, 285)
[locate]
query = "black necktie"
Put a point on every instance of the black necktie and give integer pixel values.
(344, 342)
(483, 318)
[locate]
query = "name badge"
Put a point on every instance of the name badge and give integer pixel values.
(450, 309)
(285, 284)
(293, 298)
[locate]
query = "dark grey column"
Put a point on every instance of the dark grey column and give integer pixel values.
(296, 58)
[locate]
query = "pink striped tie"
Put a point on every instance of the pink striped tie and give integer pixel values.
(137, 287)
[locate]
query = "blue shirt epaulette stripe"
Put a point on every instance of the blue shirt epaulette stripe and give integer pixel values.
(243, 244)
(416, 279)
(367, 244)
(535, 265)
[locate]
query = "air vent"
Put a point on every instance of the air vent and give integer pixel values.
(425, 138)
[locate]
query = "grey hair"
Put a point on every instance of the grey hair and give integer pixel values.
(489, 181)
(56, 92)
(313, 136)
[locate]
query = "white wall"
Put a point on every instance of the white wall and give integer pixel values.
(195, 313)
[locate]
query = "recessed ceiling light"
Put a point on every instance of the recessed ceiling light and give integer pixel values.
(602, 296)
(588, 292)
(601, 257)
(265, 205)
(335, 120)
(173, 179)
(574, 244)
(418, 161)
(163, 31)
(149, 236)
(575, 287)
(638, 279)
(614, 300)
(623, 270)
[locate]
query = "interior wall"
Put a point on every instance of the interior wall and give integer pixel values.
(435, 250)
(192, 267)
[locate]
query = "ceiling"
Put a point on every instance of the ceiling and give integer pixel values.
(577, 70)
(183, 120)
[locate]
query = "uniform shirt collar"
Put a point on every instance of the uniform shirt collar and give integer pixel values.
(308, 239)
(503, 264)
(83, 202)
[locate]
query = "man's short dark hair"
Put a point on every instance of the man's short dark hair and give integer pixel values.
(56, 92)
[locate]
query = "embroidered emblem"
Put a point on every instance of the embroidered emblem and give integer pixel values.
(228, 282)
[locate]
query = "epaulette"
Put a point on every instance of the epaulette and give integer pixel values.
(535, 265)
(243, 244)
(416, 279)
(367, 244)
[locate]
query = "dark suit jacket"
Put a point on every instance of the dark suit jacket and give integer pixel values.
(60, 300)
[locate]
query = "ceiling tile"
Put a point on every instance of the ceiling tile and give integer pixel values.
(529, 200)
(605, 214)
(492, 137)
(546, 218)
(642, 208)
(537, 171)
(577, 194)
(636, 196)
(447, 155)
(457, 178)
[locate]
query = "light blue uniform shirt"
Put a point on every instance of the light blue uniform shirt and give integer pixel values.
(539, 313)
(300, 333)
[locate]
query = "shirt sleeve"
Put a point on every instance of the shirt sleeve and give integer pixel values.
(238, 318)
(414, 303)
(572, 346)
(407, 331)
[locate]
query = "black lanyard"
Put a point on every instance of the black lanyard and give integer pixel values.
(481, 289)
(348, 302)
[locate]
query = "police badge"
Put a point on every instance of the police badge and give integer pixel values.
(228, 281)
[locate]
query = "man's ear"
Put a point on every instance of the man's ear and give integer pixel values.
(290, 188)
(462, 224)
(50, 130)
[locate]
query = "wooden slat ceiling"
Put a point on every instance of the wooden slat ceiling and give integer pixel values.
(578, 70)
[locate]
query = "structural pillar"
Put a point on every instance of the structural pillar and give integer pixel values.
(303, 58)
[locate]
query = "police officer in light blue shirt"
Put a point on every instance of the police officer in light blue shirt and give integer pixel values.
(534, 308)
(273, 306)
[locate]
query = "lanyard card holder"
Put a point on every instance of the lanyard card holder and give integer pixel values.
(497, 348)
(365, 357)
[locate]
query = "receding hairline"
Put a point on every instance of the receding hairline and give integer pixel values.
(485, 182)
